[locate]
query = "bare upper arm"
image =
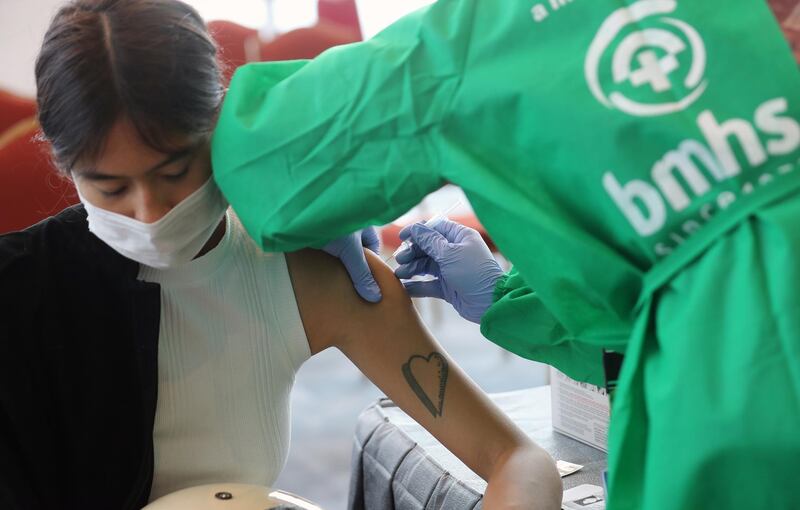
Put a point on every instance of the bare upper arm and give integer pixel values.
(333, 314)
(324, 295)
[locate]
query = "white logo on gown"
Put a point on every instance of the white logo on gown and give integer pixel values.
(650, 70)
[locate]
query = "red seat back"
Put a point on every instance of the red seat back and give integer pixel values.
(237, 44)
(305, 42)
(30, 187)
(13, 109)
(342, 13)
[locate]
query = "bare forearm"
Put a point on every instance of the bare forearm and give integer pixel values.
(421, 378)
(408, 363)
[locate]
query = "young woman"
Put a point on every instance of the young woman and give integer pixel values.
(146, 343)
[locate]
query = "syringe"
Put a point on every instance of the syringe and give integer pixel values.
(432, 222)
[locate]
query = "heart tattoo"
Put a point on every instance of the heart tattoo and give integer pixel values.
(427, 376)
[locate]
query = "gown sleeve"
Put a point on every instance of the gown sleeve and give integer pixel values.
(308, 151)
(519, 322)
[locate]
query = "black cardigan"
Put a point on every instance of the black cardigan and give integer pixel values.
(78, 371)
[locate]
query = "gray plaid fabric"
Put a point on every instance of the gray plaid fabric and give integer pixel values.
(392, 472)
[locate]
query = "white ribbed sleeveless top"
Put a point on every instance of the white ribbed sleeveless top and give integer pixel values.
(230, 342)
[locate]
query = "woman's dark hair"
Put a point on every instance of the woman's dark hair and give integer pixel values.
(150, 61)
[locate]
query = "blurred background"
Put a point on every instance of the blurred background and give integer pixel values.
(329, 392)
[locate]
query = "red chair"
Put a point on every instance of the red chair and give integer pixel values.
(338, 24)
(30, 187)
(341, 13)
(306, 42)
(238, 45)
(13, 109)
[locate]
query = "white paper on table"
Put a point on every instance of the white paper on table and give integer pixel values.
(584, 497)
(567, 468)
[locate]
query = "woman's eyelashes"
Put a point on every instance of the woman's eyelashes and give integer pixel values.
(167, 176)
(113, 193)
(177, 176)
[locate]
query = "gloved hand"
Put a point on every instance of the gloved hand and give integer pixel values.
(465, 270)
(350, 250)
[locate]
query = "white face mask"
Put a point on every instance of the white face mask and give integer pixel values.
(173, 240)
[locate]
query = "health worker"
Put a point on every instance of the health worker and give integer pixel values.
(638, 163)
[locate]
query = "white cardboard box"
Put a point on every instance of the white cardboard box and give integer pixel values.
(580, 410)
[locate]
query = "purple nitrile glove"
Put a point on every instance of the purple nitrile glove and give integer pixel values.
(465, 270)
(350, 250)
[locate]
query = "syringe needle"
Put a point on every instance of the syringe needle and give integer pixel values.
(432, 222)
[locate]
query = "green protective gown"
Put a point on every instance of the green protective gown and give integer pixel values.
(636, 160)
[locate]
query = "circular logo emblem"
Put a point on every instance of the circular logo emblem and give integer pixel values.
(646, 71)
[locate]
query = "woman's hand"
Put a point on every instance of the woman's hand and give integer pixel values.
(524, 478)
